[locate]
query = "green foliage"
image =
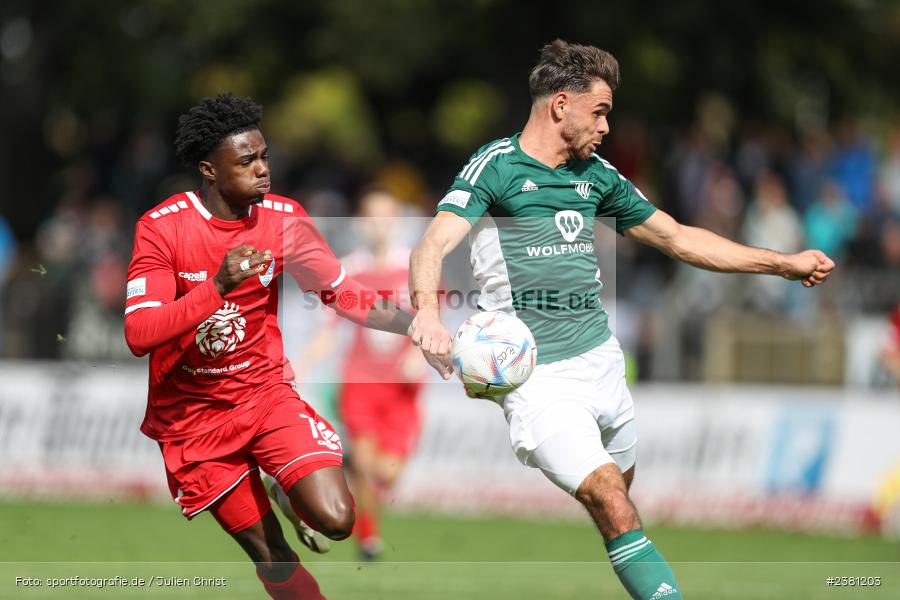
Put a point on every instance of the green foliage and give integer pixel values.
(466, 112)
(359, 81)
(324, 113)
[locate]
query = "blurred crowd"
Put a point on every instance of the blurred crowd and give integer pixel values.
(836, 190)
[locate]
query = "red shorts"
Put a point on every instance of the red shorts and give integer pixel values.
(283, 435)
(388, 412)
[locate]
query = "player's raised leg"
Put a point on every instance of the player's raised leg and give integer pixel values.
(303, 454)
(312, 539)
(323, 500)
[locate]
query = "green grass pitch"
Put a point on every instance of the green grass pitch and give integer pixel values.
(426, 558)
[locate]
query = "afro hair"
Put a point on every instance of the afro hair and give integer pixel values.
(203, 127)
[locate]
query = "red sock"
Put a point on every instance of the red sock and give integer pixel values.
(366, 526)
(301, 585)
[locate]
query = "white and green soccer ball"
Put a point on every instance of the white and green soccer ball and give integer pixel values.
(493, 354)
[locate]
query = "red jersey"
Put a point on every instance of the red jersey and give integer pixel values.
(211, 357)
(373, 355)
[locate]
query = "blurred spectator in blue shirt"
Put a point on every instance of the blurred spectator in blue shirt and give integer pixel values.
(853, 166)
(830, 221)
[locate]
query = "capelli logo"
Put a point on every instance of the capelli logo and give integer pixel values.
(198, 276)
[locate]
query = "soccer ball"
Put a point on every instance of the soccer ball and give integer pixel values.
(493, 353)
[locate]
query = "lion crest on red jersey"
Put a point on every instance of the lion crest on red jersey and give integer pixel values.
(221, 332)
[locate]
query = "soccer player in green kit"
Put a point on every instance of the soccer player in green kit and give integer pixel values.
(529, 203)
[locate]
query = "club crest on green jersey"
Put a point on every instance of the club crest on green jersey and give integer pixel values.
(583, 188)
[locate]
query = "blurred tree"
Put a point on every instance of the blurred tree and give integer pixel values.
(357, 80)
(466, 112)
(325, 113)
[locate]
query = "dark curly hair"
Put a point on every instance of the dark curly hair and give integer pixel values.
(203, 127)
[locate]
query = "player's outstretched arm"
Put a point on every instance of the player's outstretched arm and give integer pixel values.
(444, 233)
(387, 316)
(706, 250)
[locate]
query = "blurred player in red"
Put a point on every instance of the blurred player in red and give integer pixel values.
(890, 353)
(202, 299)
(380, 375)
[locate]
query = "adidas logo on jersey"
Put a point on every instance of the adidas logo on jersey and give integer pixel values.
(664, 589)
(529, 186)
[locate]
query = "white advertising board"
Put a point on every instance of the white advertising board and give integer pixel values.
(805, 458)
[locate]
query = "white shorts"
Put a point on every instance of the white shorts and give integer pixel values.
(574, 415)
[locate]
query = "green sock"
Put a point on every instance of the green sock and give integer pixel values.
(641, 568)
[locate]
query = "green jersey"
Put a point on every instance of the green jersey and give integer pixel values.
(532, 241)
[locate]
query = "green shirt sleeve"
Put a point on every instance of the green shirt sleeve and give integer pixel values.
(622, 200)
(474, 190)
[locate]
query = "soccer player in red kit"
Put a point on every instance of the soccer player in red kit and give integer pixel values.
(381, 374)
(202, 299)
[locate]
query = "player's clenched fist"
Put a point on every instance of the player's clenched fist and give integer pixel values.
(812, 267)
(241, 263)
